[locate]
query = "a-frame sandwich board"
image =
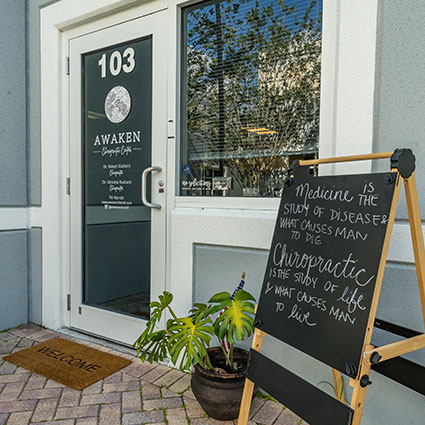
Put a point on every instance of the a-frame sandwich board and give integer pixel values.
(305, 399)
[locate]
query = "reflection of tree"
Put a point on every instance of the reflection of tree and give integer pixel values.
(253, 66)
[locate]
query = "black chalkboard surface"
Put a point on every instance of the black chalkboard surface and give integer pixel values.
(322, 267)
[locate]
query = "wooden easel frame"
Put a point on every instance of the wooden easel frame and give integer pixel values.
(401, 164)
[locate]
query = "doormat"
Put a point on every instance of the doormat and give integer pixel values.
(74, 365)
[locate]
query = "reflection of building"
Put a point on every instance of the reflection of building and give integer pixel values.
(371, 100)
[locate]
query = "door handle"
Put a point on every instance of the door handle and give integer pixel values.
(145, 173)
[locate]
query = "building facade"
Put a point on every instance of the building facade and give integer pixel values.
(95, 93)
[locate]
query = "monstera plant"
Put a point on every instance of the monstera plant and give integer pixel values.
(218, 372)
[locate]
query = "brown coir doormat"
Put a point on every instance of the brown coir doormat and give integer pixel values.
(67, 362)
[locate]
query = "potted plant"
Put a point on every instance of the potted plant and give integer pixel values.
(218, 372)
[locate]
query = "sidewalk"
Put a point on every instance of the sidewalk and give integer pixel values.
(141, 393)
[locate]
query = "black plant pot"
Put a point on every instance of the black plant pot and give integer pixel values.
(220, 394)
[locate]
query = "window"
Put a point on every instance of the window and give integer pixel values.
(250, 94)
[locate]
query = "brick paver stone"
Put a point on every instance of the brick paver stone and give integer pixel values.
(127, 378)
(11, 391)
(45, 410)
(7, 368)
(35, 382)
(13, 378)
(83, 421)
(169, 378)
(162, 403)
(256, 404)
(155, 374)
(95, 388)
(76, 412)
(3, 418)
(115, 377)
(142, 417)
(165, 392)
(176, 416)
(194, 410)
(53, 384)
(182, 384)
(189, 394)
(209, 421)
(289, 418)
(17, 406)
(67, 422)
(110, 414)
(140, 370)
(121, 386)
(19, 418)
(69, 398)
(131, 402)
(150, 391)
(268, 413)
(39, 394)
(100, 398)
(25, 342)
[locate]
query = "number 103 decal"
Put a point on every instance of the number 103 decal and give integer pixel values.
(118, 62)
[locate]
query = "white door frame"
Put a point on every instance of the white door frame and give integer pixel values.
(102, 322)
(59, 22)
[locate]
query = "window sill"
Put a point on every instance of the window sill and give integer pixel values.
(216, 202)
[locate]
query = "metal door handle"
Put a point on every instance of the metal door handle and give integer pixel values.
(145, 173)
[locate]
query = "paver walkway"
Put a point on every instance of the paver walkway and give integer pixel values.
(141, 393)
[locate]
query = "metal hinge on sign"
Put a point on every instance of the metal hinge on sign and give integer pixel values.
(68, 302)
(67, 65)
(68, 186)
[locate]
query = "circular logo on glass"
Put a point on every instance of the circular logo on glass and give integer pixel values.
(117, 104)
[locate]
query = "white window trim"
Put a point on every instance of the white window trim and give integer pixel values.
(327, 144)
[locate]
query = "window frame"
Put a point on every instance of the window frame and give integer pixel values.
(328, 91)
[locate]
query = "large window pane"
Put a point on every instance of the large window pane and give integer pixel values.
(250, 94)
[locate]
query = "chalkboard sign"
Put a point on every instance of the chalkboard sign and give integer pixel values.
(322, 267)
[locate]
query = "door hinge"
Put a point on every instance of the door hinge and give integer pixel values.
(68, 302)
(68, 186)
(67, 65)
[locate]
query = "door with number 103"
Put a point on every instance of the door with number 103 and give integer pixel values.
(118, 172)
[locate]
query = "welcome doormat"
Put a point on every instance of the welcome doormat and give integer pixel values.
(68, 362)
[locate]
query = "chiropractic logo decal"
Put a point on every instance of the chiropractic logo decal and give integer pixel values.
(117, 104)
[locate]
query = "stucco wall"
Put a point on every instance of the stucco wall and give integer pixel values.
(13, 166)
(399, 122)
(20, 165)
(13, 278)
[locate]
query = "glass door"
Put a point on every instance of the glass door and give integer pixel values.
(117, 151)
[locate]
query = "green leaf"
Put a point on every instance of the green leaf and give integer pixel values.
(237, 316)
(190, 339)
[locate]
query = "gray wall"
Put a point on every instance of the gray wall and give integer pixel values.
(33, 98)
(399, 122)
(35, 292)
(20, 277)
(13, 165)
(13, 278)
(20, 165)
(400, 81)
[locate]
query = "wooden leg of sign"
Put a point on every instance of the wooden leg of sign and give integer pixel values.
(249, 385)
(359, 395)
(416, 232)
(339, 387)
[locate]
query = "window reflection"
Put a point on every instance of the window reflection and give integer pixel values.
(251, 94)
